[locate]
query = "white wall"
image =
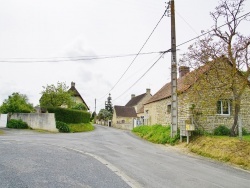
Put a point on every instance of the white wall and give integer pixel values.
(3, 120)
(44, 121)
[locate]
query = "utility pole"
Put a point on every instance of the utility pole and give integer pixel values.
(174, 101)
(95, 105)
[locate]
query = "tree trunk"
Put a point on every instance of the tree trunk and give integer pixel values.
(236, 115)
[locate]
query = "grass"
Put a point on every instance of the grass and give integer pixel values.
(156, 133)
(1, 132)
(82, 127)
(223, 148)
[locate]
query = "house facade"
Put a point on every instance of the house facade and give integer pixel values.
(76, 97)
(207, 105)
(132, 114)
(123, 117)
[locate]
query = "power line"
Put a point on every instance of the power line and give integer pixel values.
(143, 74)
(212, 30)
(178, 46)
(66, 59)
(136, 54)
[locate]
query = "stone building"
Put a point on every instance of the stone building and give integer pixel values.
(123, 117)
(134, 109)
(207, 105)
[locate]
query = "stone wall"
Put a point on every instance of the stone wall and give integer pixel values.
(44, 121)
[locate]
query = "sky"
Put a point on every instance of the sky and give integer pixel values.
(36, 35)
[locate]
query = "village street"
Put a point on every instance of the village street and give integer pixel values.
(105, 157)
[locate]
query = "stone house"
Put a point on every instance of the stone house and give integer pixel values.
(132, 114)
(77, 98)
(207, 105)
(123, 117)
(138, 103)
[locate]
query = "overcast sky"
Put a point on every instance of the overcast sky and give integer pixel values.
(33, 31)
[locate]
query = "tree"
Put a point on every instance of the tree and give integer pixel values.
(104, 115)
(56, 96)
(108, 104)
(93, 116)
(225, 44)
(16, 103)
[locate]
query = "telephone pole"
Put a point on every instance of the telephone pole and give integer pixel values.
(174, 101)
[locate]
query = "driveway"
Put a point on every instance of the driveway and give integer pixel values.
(109, 155)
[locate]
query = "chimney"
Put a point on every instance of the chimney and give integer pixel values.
(73, 84)
(148, 91)
(183, 70)
(132, 96)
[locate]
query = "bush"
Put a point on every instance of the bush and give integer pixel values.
(70, 116)
(17, 124)
(244, 131)
(62, 127)
(222, 131)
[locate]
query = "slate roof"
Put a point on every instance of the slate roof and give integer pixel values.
(77, 94)
(135, 100)
(183, 84)
(125, 111)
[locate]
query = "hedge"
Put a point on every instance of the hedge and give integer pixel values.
(69, 115)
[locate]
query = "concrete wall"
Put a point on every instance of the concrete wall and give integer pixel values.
(124, 126)
(3, 120)
(44, 121)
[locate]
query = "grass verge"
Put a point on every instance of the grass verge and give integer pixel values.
(81, 127)
(223, 148)
(1, 132)
(156, 133)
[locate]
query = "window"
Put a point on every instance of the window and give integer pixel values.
(223, 107)
(169, 109)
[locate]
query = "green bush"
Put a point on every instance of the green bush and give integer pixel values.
(244, 131)
(17, 124)
(70, 116)
(222, 131)
(62, 127)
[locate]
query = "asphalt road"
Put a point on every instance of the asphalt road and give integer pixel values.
(106, 157)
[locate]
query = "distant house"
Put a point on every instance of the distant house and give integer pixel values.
(193, 93)
(123, 117)
(131, 114)
(77, 98)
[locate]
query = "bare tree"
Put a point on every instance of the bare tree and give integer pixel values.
(225, 42)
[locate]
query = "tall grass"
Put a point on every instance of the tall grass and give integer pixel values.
(81, 127)
(156, 133)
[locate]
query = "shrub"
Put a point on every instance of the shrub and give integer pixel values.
(17, 124)
(244, 131)
(62, 127)
(70, 116)
(222, 131)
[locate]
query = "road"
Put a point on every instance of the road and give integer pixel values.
(105, 157)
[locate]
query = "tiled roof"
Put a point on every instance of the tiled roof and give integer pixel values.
(124, 111)
(135, 100)
(141, 110)
(183, 83)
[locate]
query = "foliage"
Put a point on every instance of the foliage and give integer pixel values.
(79, 106)
(62, 127)
(16, 103)
(108, 105)
(157, 134)
(93, 116)
(221, 131)
(81, 127)
(17, 124)
(70, 116)
(244, 131)
(104, 115)
(56, 96)
(227, 45)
